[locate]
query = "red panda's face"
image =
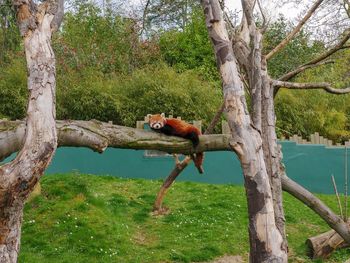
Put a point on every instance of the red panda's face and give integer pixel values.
(157, 121)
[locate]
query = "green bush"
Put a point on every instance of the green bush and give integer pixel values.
(190, 48)
(13, 89)
(162, 89)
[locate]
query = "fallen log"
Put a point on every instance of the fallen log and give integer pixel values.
(323, 245)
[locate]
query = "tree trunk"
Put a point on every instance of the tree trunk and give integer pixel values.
(19, 177)
(10, 229)
(266, 241)
(271, 152)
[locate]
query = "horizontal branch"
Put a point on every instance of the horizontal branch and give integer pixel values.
(98, 136)
(307, 86)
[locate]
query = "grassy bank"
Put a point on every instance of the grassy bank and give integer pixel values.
(88, 218)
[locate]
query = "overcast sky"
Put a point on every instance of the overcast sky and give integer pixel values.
(323, 24)
(288, 10)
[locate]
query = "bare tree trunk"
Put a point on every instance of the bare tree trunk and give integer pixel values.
(10, 229)
(266, 241)
(271, 152)
(18, 178)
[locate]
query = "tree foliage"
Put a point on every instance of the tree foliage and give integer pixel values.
(108, 71)
(190, 48)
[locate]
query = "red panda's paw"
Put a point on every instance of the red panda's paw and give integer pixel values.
(200, 169)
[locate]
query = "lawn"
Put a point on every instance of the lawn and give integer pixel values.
(89, 218)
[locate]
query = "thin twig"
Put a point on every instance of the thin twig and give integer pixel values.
(144, 16)
(337, 195)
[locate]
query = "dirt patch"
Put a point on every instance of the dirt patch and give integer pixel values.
(227, 259)
(140, 238)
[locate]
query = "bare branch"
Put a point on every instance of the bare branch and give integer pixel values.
(99, 135)
(265, 21)
(248, 7)
(323, 56)
(307, 86)
(57, 9)
(290, 36)
(144, 16)
(302, 68)
(316, 205)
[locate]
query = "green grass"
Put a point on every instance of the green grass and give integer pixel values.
(88, 218)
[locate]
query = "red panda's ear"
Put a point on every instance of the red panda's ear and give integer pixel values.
(162, 115)
(148, 117)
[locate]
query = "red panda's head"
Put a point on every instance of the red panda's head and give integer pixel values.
(156, 121)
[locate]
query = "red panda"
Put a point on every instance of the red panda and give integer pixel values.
(179, 128)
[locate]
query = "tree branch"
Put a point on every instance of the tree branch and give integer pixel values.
(306, 86)
(290, 36)
(145, 10)
(57, 9)
(334, 221)
(99, 135)
(316, 61)
(304, 67)
(265, 21)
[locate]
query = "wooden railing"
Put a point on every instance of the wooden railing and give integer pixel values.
(316, 138)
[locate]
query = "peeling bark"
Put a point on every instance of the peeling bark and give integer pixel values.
(18, 178)
(265, 239)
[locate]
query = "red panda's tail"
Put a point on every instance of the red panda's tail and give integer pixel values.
(198, 161)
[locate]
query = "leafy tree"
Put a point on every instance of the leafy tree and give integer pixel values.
(106, 43)
(9, 35)
(190, 48)
(298, 51)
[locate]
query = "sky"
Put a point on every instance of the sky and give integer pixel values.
(289, 10)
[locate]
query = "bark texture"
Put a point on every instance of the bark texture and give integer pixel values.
(266, 241)
(18, 178)
(248, 44)
(322, 246)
